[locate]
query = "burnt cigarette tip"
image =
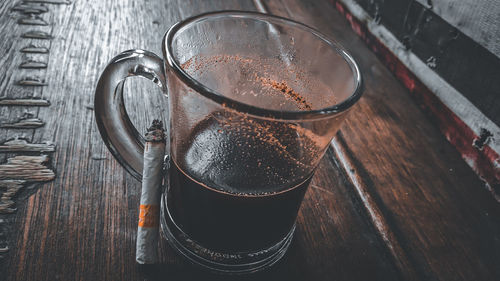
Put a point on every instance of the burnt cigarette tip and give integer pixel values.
(155, 133)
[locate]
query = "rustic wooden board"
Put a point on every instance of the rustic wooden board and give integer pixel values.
(468, 66)
(452, 77)
(82, 225)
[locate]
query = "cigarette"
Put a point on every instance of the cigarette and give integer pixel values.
(149, 209)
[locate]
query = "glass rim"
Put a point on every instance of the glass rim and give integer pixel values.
(213, 95)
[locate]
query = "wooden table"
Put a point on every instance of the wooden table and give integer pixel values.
(392, 200)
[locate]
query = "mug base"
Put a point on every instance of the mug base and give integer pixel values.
(220, 262)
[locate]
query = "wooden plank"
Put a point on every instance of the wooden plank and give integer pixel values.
(55, 2)
(34, 50)
(25, 102)
(32, 19)
(31, 64)
(26, 123)
(463, 117)
(36, 34)
(16, 173)
(26, 168)
(32, 81)
(21, 145)
(459, 71)
(428, 196)
(30, 8)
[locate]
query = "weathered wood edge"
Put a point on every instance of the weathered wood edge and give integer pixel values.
(24, 102)
(350, 168)
(23, 123)
(474, 148)
(21, 145)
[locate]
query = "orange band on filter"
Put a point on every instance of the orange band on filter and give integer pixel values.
(148, 215)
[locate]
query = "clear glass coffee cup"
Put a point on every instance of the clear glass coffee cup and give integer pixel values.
(254, 101)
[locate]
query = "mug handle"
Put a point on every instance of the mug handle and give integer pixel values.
(117, 131)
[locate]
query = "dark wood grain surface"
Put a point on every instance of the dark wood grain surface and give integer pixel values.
(392, 200)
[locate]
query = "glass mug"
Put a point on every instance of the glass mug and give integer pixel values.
(254, 101)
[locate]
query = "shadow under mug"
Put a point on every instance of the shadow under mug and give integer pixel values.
(254, 101)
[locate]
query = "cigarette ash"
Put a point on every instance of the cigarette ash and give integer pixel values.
(155, 133)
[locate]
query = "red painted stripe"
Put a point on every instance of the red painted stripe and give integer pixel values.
(485, 162)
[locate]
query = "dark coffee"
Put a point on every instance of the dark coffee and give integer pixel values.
(241, 184)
